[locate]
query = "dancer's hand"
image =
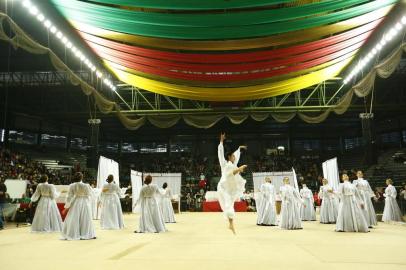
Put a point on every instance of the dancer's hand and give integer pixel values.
(243, 147)
(362, 206)
(222, 136)
(243, 167)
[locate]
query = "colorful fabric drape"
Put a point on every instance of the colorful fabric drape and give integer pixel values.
(225, 50)
(213, 26)
(19, 39)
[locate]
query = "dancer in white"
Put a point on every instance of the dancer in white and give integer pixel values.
(307, 212)
(367, 193)
(166, 204)
(350, 214)
(391, 211)
(231, 186)
(151, 219)
(47, 217)
(78, 223)
(111, 213)
(329, 204)
(266, 204)
(290, 211)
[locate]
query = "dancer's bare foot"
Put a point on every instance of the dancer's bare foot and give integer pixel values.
(231, 225)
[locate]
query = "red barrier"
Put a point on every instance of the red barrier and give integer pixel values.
(215, 206)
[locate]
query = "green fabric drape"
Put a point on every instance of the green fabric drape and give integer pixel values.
(193, 4)
(128, 17)
(210, 26)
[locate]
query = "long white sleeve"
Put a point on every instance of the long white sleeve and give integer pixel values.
(321, 193)
(358, 196)
(371, 192)
(71, 197)
(237, 155)
(220, 153)
(340, 191)
(297, 196)
(37, 194)
(117, 190)
(54, 193)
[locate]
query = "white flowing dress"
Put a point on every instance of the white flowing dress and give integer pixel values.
(391, 211)
(78, 223)
(230, 187)
(166, 206)
(290, 209)
(47, 217)
(151, 219)
(366, 193)
(111, 213)
(350, 215)
(329, 205)
(307, 213)
(266, 205)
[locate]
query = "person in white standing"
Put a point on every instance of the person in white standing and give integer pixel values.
(231, 186)
(266, 204)
(367, 193)
(166, 204)
(350, 211)
(391, 211)
(47, 217)
(307, 212)
(78, 223)
(151, 219)
(111, 213)
(290, 209)
(329, 203)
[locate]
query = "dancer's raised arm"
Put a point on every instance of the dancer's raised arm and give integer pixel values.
(237, 154)
(220, 150)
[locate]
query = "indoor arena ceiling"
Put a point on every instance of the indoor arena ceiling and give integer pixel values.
(225, 51)
(212, 58)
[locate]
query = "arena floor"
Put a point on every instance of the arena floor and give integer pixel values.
(201, 241)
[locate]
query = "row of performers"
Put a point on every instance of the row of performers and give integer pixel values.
(350, 207)
(154, 204)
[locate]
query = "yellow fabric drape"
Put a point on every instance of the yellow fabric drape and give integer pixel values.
(231, 93)
(237, 44)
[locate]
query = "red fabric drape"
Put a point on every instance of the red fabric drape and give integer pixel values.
(230, 57)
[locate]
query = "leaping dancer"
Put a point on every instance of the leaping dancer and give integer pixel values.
(231, 186)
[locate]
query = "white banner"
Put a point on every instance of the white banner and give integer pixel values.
(136, 184)
(106, 167)
(330, 172)
(277, 179)
(174, 181)
(16, 188)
